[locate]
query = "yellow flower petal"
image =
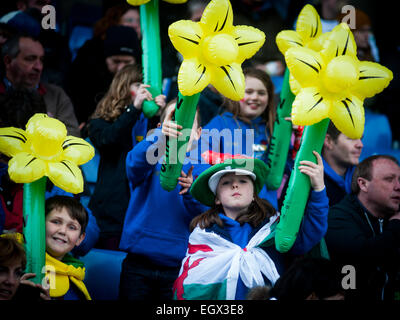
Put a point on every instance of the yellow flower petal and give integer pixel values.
(295, 86)
(347, 115)
(373, 78)
(137, 2)
(317, 44)
(305, 65)
(217, 17)
(193, 77)
(12, 141)
(185, 36)
(229, 81)
(77, 150)
(308, 24)
(66, 175)
(309, 107)
(249, 40)
(340, 42)
(287, 39)
(25, 168)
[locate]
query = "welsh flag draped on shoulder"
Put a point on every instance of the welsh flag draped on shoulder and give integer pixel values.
(212, 266)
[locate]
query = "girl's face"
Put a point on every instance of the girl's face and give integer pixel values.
(235, 193)
(134, 87)
(62, 233)
(255, 99)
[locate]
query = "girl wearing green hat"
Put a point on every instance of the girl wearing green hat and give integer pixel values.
(231, 247)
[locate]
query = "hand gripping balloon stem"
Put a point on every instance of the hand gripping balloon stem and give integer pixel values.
(298, 188)
(151, 57)
(280, 140)
(34, 235)
(43, 149)
(185, 112)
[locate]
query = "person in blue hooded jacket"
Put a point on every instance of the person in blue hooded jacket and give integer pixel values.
(156, 226)
(247, 125)
(340, 155)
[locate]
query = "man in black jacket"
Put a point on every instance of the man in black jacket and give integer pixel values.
(364, 230)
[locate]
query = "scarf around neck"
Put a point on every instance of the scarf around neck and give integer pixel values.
(60, 273)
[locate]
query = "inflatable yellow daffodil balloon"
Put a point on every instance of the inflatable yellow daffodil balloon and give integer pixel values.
(333, 85)
(308, 34)
(43, 149)
(213, 51)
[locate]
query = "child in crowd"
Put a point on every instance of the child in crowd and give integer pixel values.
(66, 221)
(156, 227)
(252, 117)
(110, 131)
(231, 246)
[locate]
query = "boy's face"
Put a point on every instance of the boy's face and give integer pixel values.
(62, 233)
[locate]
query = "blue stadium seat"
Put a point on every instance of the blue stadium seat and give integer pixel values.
(79, 35)
(377, 137)
(377, 131)
(103, 269)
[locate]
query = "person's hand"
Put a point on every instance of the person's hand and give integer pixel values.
(44, 292)
(171, 128)
(161, 101)
(315, 171)
(186, 180)
(142, 94)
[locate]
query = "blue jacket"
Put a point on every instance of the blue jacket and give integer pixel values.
(337, 187)
(244, 138)
(312, 229)
(157, 221)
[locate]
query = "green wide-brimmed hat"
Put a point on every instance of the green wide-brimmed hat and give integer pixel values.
(203, 189)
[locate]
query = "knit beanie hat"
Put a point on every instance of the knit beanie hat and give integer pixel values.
(122, 40)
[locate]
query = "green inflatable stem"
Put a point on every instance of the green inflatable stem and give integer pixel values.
(34, 227)
(299, 187)
(280, 140)
(151, 58)
(175, 154)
